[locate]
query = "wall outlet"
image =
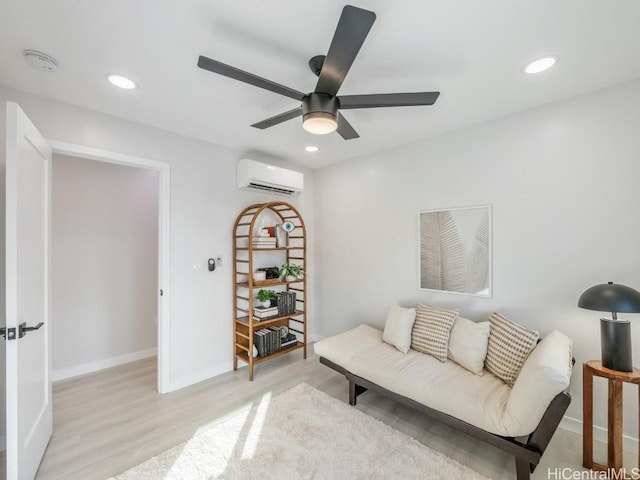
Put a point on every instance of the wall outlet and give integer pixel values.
(218, 262)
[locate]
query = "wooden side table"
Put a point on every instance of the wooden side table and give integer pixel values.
(614, 424)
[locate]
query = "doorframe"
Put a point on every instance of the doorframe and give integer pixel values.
(164, 237)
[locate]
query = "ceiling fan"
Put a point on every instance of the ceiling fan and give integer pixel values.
(320, 109)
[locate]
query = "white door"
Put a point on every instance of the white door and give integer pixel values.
(29, 420)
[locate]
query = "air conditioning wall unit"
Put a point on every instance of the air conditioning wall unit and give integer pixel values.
(252, 175)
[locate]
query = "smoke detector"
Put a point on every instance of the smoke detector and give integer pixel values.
(40, 61)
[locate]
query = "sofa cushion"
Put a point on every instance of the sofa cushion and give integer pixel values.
(468, 344)
(341, 348)
(509, 346)
(431, 330)
(545, 374)
(443, 386)
(484, 401)
(397, 328)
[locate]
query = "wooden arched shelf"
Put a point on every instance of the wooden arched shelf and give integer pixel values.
(246, 258)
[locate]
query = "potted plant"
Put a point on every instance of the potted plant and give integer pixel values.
(291, 272)
(266, 297)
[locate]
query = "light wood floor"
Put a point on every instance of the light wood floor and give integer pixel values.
(107, 422)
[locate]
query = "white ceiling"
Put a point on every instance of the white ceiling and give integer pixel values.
(471, 51)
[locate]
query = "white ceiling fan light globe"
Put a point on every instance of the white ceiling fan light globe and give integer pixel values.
(319, 123)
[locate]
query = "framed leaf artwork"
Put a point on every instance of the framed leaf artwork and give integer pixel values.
(455, 250)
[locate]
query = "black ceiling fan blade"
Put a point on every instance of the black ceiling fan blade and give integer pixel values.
(220, 68)
(388, 100)
(351, 32)
(276, 119)
(345, 129)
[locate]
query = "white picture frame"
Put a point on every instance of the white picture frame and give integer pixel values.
(454, 253)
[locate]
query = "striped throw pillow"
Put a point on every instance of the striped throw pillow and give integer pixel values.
(509, 346)
(430, 333)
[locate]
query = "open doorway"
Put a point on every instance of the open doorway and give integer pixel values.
(110, 258)
(104, 265)
(27, 232)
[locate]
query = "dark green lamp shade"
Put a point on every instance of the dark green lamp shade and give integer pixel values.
(611, 297)
(615, 335)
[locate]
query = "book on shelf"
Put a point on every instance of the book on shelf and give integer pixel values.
(286, 303)
(289, 340)
(264, 311)
(270, 337)
(269, 340)
(277, 338)
(262, 319)
(263, 240)
(258, 342)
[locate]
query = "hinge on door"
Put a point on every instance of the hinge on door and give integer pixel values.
(161, 292)
(8, 333)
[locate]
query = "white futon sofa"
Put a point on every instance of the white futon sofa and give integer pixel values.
(519, 419)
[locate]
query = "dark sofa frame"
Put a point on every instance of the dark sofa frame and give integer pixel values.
(527, 450)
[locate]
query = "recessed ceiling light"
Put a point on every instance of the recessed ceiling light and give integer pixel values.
(540, 65)
(311, 148)
(122, 82)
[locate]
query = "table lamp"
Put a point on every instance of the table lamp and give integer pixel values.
(615, 335)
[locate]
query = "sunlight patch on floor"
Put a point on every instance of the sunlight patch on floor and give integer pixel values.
(222, 449)
(256, 427)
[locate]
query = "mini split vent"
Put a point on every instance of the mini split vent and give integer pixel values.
(268, 188)
(252, 175)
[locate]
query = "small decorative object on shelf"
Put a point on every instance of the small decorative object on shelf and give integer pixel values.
(291, 272)
(267, 298)
(280, 326)
(271, 273)
(281, 236)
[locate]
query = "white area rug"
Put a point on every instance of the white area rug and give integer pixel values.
(300, 434)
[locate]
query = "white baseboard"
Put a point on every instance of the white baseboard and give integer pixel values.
(177, 384)
(314, 337)
(85, 368)
(574, 425)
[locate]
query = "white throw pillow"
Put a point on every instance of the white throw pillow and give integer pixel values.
(397, 329)
(468, 344)
(546, 373)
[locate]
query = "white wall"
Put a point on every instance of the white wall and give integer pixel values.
(3, 310)
(563, 182)
(204, 204)
(104, 255)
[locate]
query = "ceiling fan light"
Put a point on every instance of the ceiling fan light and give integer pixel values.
(319, 123)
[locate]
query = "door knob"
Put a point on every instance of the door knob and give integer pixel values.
(10, 333)
(23, 329)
